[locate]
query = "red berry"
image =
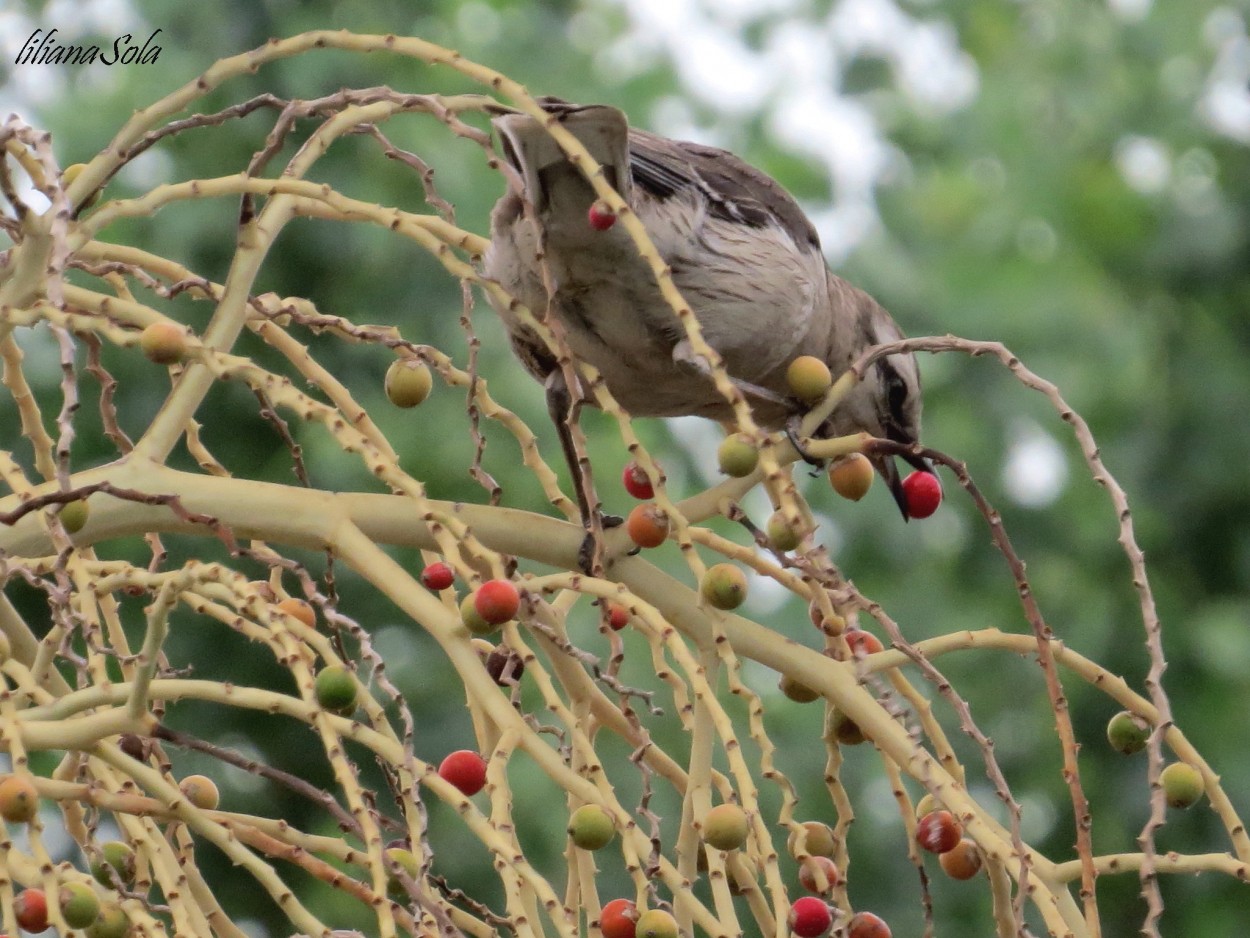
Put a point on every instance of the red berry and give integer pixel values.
(867, 925)
(31, 910)
(923, 492)
(810, 917)
(938, 832)
(438, 576)
(618, 616)
(863, 643)
(464, 769)
(618, 919)
(497, 601)
(601, 216)
(636, 482)
(826, 867)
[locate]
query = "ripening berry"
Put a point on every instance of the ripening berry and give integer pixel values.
(201, 791)
(465, 770)
(781, 536)
(725, 827)
(164, 343)
(504, 666)
(845, 730)
(819, 875)
(408, 382)
(591, 827)
(497, 601)
(618, 919)
(116, 859)
(69, 174)
(797, 690)
(809, 378)
(135, 746)
(938, 831)
(405, 860)
(647, 525)
(1128, 733)
(737, 456)
(335, 689)
(636, 482)
(112, 923)
(656, 923)
(438, 576)
(816, 839)
(923, 492)
(867, 925)
(300, 610)
(618, 616)
(862, 643)
(19, 799)
(963, 861)
(810, 917)
(851, 476)
(601, 216)
(79, 904)
(724, 586)
(74, 515)
(30, 908)
(472, 619)
(1182, 784)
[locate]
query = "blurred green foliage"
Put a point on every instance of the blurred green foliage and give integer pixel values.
(1008, 219)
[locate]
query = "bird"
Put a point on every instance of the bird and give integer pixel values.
(743, 255)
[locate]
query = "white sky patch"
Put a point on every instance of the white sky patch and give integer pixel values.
(1144, 163)
(1035, 470)
(793, 81)
(1225, 103)
(1130, 10)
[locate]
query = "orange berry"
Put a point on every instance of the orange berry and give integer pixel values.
(164, 343)
(851, 476)
(300, 610)
(647, 525)
(963, 861)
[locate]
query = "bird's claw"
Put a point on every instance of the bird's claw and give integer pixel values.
(586, 552)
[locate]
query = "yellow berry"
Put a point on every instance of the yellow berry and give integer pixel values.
(164, 343)
(725, 827)
(408, 382)
(724, 586)
(737, 456)
(809, 378)
(201, 791)
(591, 827)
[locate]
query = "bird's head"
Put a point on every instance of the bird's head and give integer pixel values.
(891, 388)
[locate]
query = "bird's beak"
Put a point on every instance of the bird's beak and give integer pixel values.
(888, 471)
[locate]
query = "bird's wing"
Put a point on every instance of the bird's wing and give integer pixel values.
(733, 190)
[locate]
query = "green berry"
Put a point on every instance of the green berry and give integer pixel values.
(724, 586)
(781, 537)
(725, 827)
(472, 619)
(1182, 784)
(656, 923)
(111, 923)
(74, 515)
(737, 456)
(1128, 733)
(79, 904)
(591, 827)
(405, 860)
(118, 857)
(408, 382)
(796, 690)
(335, 688)
(845, 730)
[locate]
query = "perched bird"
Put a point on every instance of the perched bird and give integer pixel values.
(742, 254)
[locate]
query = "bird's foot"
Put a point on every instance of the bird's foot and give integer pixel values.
(586, 553)
(792, 434)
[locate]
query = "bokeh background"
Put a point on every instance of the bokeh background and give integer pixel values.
(1071, 179)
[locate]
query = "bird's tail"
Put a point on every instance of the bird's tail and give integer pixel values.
(553, 185)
